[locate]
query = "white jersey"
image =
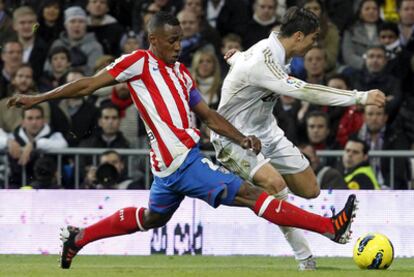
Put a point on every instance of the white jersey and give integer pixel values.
(256, 79)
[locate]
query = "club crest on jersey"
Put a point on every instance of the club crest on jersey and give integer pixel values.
(294, 82)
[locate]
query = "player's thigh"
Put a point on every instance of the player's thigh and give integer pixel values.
(303, 183)
(285, 156)
(163, 199)
(269, 179)
(209, 182)
(244, 163)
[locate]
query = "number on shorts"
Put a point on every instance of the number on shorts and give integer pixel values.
(210, 164)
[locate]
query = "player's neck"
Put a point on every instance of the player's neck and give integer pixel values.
(288, 46)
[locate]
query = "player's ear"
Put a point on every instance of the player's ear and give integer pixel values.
(152, 38)
(299, 36)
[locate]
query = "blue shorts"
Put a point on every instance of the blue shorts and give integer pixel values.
(197, 177)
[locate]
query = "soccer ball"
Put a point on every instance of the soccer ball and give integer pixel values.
(373, 251)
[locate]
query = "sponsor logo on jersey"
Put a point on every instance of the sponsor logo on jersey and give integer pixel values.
(294, 82)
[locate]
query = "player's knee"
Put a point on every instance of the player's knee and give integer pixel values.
(312, 191)
(249, 192)
(274, 184)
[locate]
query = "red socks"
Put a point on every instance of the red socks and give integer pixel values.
(285, 214)
(124, 221)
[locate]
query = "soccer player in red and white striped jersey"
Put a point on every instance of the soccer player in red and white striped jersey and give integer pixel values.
(164, 94)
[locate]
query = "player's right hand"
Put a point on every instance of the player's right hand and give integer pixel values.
(376, 97)
(21, 101)
(253, 143)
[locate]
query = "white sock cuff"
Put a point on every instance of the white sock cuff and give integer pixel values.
(282, 195)
(139, 223)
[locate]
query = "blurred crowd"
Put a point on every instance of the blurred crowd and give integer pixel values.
(363, 44)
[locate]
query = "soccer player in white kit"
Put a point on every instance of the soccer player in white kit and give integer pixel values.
(256, 79)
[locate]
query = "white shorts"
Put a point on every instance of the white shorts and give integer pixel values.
(282, 154)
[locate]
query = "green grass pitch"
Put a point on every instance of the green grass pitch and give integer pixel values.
(153, 266)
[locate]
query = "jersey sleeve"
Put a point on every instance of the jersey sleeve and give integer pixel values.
(189, 81)
(268, 74)
(127, 66)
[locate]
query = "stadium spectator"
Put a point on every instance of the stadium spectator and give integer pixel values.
(6, 25)
(12, 57)
(26, 142)
(341, 13)
(206, 73)
(261, 23)
(130, 41)
(379, 136)
(328, 36)
(227, 16)
(230, 41)
(211, 34)
(315, 65)
(400, 61)
(103, 94)
(361, 35)
(317, 130)
(84, 48)
(105, 27)
(104, 177)
(59, 59)
(358, 173)
(50, 20)
(108, 135)
(327, 177)
(352, 118)
(22, 83)
(406, 24)
(34, 48)
(192, 40)
(45, 174)
(374, 75)
(79, 116)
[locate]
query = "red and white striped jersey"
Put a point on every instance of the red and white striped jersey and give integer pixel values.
(161, 93)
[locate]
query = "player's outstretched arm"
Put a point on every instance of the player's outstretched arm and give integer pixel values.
(221, 126)
(268, 74)
(82, 87)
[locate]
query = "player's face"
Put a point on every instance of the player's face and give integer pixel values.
(306, 43)
(375, 118)
(167, 43)
(317, 129)
(353, 154)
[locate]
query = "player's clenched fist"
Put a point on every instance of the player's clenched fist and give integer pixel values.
(253, 143)
(21, 101)
(375, 97)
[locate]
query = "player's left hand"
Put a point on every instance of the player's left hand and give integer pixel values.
(376, 97)
(230, 53)
(253, 143)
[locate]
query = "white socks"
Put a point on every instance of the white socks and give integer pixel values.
(294, 236)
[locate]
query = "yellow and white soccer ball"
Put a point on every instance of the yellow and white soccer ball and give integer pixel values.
(373, 251)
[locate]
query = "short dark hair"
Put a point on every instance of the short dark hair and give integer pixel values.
(298, 20)
(160, 19)
(365, 146)
(108, 105)
(377, 46)
(391, 26)
(318, 113)
(59, 50)
(10, 41)
(45, 169)
(342, 77)
(35, 107)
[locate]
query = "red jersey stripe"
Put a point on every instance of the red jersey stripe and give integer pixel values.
(125, 62)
